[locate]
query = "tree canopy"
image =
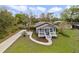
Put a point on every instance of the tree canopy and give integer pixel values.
(71, 14)
(7, 20)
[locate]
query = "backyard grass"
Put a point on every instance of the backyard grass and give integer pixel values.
(65, 43)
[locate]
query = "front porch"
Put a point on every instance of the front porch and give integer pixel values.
(47, 32)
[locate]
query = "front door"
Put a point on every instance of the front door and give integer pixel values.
(47, 32)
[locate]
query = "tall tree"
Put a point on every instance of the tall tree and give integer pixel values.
(6, 21)
(71, 14)
(46, 17)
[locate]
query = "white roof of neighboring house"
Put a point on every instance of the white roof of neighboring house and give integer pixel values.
(57, 22)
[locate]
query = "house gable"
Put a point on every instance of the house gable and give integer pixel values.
(43, 25)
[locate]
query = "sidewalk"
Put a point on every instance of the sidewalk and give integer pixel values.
(8, 42)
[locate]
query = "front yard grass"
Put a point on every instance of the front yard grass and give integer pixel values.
(62, 44)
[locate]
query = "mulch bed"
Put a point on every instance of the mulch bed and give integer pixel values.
(41, 39)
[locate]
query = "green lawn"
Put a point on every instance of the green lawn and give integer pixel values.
(64, 43)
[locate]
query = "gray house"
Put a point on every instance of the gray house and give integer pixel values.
(44, 29)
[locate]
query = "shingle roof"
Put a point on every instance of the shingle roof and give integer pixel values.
(43, 24)
(39, 23)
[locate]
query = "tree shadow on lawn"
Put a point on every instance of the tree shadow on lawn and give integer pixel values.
(64, 34)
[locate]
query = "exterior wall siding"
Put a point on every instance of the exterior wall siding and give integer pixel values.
(53, 33)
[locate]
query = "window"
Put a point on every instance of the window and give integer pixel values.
(41, 30)
(47, 31)
(51, 30)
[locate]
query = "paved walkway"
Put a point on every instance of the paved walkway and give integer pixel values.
(8, 42)
(42, 43)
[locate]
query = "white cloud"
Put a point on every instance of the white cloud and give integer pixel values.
(67, 7)
(18, 8)
(32, 8)
(55, 9)
(42, 9)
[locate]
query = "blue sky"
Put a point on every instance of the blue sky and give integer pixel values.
(37, 9)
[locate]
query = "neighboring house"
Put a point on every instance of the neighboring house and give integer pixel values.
(75, 25)
(44, 29)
